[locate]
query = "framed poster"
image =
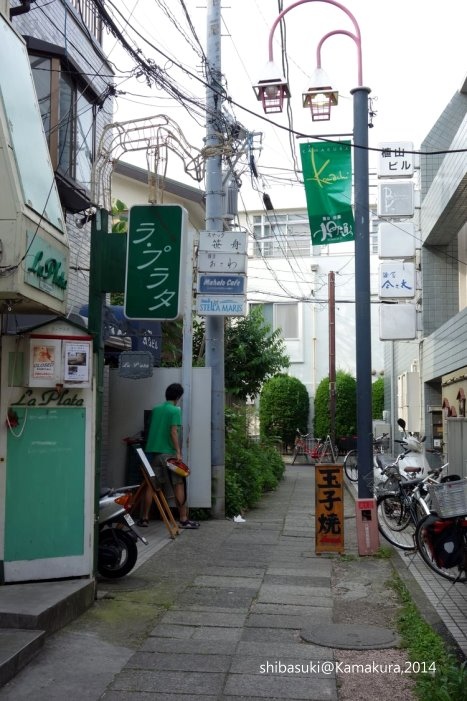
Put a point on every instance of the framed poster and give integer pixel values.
(44, 362)
(77, 362)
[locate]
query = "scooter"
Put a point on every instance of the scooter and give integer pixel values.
(413, 462)
(409, 464)
(117, 550)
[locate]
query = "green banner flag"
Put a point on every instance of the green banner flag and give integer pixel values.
(327, 174)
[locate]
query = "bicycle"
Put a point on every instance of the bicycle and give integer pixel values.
(441, 535)
(304, 443)
(351, 459)
(400, 511)
(317, 449)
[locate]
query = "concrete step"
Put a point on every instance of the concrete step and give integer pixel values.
(46, 606)
(29, 612)
(17, 648)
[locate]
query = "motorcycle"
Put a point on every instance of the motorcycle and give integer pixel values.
(117, 550)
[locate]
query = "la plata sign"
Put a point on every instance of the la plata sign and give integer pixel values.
(45, 267)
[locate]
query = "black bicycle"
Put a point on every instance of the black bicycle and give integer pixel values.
(442, 543)
(400, 511)
(351, 458)
(441, 536)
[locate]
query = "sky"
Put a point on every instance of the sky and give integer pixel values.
(414, 60)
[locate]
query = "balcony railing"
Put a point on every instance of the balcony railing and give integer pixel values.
(90, 16)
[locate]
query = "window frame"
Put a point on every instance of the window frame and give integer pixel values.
(268, 229)
(63, 71)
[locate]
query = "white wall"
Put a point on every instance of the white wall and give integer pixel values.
(128, 399)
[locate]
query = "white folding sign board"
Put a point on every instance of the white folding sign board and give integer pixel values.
(397, 322)
(396, 279)
(396, 160)
(223, 241)
(396, 239)
(395, 199)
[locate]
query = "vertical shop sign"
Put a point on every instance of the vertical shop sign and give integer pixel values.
(155, 262)
(329, 509)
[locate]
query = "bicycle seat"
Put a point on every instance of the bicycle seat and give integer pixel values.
(412, 470)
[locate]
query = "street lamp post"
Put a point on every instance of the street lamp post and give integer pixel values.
(320, 99)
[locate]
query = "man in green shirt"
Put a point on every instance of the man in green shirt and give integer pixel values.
(163, 442)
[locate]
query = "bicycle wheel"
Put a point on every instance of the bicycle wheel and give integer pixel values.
(395, 521)
(351, 466)
(432, 553)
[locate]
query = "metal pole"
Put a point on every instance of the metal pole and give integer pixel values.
(362, 290)
(215, 222)
(332, 354)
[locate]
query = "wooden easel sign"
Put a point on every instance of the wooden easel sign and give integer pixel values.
(158, 495)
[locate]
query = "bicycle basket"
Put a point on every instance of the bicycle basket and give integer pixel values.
(449, 499)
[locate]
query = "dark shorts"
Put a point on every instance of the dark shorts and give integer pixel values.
(159, 465)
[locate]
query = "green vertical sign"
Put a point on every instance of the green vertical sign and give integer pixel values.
(155, 259)
(327, 174)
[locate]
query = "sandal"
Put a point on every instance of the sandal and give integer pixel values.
(189, 524)
(142, 523)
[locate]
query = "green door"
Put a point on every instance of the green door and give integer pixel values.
(44, 514)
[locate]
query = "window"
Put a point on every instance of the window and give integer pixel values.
(283, 316)
(282, 235)
(286, 319)
(29, 149)
(68, 110)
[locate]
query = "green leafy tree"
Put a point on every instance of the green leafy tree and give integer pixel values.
(252, 353)
(377, 395)
(284, 407)
(346, 406)
(251, 468)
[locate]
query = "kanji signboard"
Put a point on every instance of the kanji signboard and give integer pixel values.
(396, 160)
(155, 261)
(223, 241)
(329, 508)
(397, 279)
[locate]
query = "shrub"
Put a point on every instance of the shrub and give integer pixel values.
(377, 395)
(251, 468)
(284, 407)
(346, 406)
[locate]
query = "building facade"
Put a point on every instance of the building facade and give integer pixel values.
(429, 374)
(290, 278)
(55, 99)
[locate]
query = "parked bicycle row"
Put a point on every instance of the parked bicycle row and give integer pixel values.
(420, 510)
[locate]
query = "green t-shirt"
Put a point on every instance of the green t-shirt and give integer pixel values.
(163, 417)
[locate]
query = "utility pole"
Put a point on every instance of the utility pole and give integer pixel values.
(215, 223)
